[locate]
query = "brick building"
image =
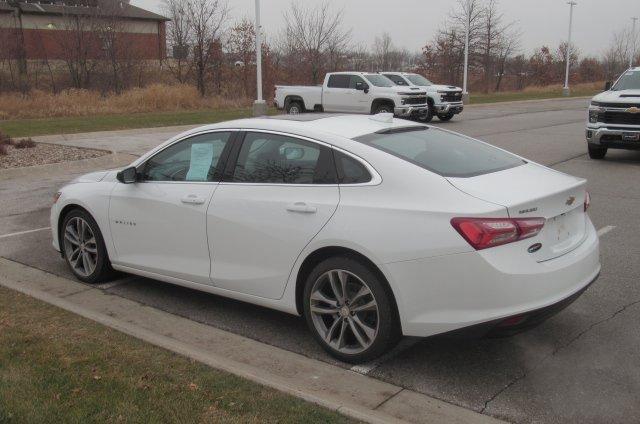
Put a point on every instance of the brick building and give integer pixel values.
(51, 30)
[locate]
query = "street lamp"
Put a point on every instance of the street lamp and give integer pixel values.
(259, 106)
(634, 38)
(565, 89)
(465, 93)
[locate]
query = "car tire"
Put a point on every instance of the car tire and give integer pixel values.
(295, 108)
(596, 152)
(83, 248)
(427, 117)
(356, 331)
(383, 108)
(446, 116)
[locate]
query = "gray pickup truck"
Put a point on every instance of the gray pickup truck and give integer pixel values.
(614, 116)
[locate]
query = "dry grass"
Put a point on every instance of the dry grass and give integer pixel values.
(538, 92)
(154, 98)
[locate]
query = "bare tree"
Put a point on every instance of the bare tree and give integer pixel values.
(77, 40)
(206, 19)
(180, 38)
(313, 32)
(242, 48)
(509, 44)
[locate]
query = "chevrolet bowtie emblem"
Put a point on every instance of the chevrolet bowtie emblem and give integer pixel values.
(570, 201)
(633, 109)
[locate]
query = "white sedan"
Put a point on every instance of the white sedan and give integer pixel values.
(368, 226)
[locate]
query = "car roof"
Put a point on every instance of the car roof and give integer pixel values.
(309, 124)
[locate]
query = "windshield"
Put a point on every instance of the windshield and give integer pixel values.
(378, 80)
(442, 152)
(418, 80)
(630, 80)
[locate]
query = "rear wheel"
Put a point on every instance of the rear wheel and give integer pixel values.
(349, 311)
(446, 116)
(596, 152)
(84, 249)
(295, 108)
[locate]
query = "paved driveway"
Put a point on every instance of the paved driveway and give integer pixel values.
(583, 365)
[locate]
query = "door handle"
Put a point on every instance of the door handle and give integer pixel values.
(192, 199)
(301, 207)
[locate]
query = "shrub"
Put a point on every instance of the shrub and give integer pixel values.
(25, 143)
(4, 150)
(5, 139)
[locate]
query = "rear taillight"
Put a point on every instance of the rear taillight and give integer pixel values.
(587, 200)
(483, 233)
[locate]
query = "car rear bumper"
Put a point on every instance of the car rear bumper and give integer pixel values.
(615, 138)
(446, 293)
(408, 111)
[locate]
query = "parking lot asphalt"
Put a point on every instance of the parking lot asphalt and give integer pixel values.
(583, 365)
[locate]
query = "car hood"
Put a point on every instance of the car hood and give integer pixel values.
(622, 96)
(440, 87)
(96, 176)
(403, 91)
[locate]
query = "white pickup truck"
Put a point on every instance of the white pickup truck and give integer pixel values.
(355, 92)
(445, 101)
(613, 121)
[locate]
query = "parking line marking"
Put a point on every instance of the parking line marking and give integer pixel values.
(604, 230)
(19, 233)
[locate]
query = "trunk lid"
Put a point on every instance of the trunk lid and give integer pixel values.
(531, 190)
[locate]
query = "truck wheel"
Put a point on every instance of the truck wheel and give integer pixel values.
(596, 152)
(295, 108)
(446, 117)
(426, 117)
(383, 108)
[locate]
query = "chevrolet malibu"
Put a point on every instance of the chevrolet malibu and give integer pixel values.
(370, 227)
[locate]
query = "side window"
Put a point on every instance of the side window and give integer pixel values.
(398, 80)
(338, 81)
(195, 159)
(273, 158)
(351, 171)
(353, 80)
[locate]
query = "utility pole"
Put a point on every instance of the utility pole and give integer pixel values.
(634, 38)
(465, 93)
(565, 89)
(259, 106)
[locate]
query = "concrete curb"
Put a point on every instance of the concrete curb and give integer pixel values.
(109, 160)
(354, 395)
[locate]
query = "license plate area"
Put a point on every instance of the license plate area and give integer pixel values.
(629, 136)
(561, 234)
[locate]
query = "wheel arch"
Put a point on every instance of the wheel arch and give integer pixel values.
(320, 254)
(294, 98)
(381, 100)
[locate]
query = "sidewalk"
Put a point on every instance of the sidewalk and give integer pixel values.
(341, 390)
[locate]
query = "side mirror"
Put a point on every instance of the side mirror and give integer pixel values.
(128, 175)
(362, 86)
(607, 85)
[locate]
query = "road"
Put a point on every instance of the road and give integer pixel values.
(582, 365)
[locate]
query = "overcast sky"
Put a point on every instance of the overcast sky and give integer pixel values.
(412, 23)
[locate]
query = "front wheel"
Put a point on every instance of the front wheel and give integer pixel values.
(426, 117)
(383, 108)
(349, 311)
(83, 247)
(596, 152)
(446, 116)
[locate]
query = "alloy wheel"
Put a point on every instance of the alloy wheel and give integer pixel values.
(80, 246)
(344, 311)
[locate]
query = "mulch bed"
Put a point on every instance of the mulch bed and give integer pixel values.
(44, 154)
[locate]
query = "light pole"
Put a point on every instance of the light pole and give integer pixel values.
(259, 106)
(634, 38)
(465, 93)
(565, 89)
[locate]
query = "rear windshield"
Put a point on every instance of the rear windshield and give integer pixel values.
(446, 154)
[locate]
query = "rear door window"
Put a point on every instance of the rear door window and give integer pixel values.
(338, 81)
(442, 152)
(277, 159)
